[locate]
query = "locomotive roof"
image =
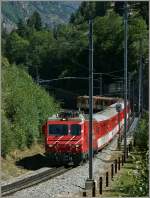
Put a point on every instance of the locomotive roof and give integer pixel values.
(77, 118)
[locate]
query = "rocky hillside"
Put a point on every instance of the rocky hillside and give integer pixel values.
(52, 12)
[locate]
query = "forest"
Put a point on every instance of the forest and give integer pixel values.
(34, 52)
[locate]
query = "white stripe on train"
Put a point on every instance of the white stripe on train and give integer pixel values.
(105, 139)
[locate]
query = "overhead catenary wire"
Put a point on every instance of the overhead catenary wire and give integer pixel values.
(107, 74)
(115, 71)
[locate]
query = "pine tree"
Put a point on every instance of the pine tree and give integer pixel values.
(35, 21)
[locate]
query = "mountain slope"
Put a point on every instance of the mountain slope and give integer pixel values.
(51, 12)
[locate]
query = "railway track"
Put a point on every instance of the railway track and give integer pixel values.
(32, 180)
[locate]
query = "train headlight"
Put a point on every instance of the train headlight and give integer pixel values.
(77, 145)
(50, 145)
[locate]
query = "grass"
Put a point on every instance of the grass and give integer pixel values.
(124, 182)
(8, 165)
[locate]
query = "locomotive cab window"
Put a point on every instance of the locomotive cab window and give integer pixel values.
(75, 129)
(58, 129)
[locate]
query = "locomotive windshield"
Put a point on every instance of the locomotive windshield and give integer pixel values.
(58, 129)
(75, 129)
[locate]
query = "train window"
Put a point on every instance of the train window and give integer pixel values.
(75, 129)
(58, 129)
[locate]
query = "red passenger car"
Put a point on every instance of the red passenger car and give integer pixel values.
(66, 135)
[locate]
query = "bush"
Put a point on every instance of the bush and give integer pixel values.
(25, 105)
(6, 143)
(141, 139)
(141, 134)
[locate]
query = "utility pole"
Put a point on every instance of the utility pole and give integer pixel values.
(142, 88)
(90, 98)
(140, 78)
(101, 91)
(129, 86)
(90, 182)
(37, 74)
(129, 94)
(133, 96)
(125, 77)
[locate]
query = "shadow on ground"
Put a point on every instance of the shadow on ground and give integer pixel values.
(35, 162)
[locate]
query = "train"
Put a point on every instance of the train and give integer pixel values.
(66, 133)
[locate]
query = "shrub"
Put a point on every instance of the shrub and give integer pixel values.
(141, 134)
(25, 105)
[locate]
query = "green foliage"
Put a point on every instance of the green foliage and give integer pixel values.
(25, 105)
(141, 175)
(134, 179)
(40, 42)
(16, 48)
(88, 9)
(137, 33)
(22, 29)
(141, 134)
(135, 8)
(141, 141)
(35, 21)
(108, 32)
(6, 136)
(119, 7)
(63, 51)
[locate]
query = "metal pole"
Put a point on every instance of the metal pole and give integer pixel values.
(125, 76)
(140, 76)
(129, 91)
(142, 86)
(90, 98)
(100, 84)
(122, 89)
(89, 184)
(133, 97)
(119, 141)
(37, 75)
(129, 95)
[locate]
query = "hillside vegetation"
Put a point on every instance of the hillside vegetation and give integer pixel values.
(25, 107)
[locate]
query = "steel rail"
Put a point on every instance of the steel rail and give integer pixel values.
(32, 180)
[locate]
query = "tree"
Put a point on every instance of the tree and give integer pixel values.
(119, 8)
(25, 108)
(141, 145)
(135, 8)
(137, 32)
(101, 8)
(21, 30)
(16, 48)
(87, 9)
(108, 34)
(40, 43)
(35, 21)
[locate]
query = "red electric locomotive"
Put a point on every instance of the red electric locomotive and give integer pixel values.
(66, 134)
